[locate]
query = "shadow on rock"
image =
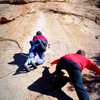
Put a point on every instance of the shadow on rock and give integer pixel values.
(96, 58)
(92, 84)
(19, 60)
(44, 85)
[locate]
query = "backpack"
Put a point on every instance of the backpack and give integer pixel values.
(41, 47)
(38, 46)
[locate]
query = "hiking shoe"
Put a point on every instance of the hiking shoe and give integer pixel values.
(34, 65)
(26, 68)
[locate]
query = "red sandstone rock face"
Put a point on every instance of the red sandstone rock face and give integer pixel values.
(15, 1)
(19, 1)
(4, 20)
(68, 27)
(10, 12)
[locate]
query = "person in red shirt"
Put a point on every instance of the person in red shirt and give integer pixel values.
(34, 50)
(39, 36)
(74, 64)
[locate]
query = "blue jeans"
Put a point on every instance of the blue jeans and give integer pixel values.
(74, 72)
(32, 55)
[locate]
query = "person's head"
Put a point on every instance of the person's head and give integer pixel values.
(38, 33)
(82, 52)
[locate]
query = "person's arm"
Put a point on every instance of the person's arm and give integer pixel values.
(54, 62)
(46, 39)
(93, 67)
(30, 50)
(34, 38)
(45, 43)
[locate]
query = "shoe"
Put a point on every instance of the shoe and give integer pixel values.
(34, 65)
(26, 68)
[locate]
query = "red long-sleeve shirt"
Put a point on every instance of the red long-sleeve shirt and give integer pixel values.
(81, 60)
(41, 37)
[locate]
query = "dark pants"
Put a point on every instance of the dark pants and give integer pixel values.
(74, 72)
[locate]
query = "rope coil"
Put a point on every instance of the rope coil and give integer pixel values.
(8, 39)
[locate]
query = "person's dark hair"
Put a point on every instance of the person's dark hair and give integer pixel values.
(38, 33)
(82, 52)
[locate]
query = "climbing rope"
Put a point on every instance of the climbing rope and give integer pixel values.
(8, 39)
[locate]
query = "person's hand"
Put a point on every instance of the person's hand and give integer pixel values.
(50, 63)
